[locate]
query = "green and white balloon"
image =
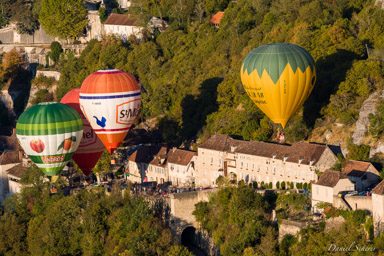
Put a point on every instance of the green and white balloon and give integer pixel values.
(50, 133)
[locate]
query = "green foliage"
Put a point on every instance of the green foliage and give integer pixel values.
(340, 163)
(358, 217)
(278, 185)
(63, 18)
(88, 223)
(255, 184)
(358, 152)
(3, 20)
(239, 210)
(103, 15)
(55, 52)
(42, 95)
(177, 250)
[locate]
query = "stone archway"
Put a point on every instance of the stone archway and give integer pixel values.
(191, 240)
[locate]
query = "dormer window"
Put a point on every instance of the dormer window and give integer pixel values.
(285, 159)
(311, 162)
(300, 160)
(274, 156)
(233, 149)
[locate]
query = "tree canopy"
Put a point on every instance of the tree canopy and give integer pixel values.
(63, 18)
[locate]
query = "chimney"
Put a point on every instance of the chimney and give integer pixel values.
(173, 149)
(13, 130)
(20, 154)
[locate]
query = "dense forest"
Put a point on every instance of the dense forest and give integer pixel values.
(238, 220)
(190, 73)
(36, 222)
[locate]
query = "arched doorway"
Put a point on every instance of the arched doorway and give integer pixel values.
(189, 239)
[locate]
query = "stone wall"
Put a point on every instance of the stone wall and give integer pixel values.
(356, 202)
(6, 35)
(290, 227)
(54, 74)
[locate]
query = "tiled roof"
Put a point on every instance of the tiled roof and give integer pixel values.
(216, 18)
(379, 189)
(356, 168)
(159, 159)
(17, 170)
(121, 20)
(306, 152)
(10, 157)
(180, 156)
(144, 154)
(330, 178)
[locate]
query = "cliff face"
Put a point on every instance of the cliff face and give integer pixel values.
(368, 107)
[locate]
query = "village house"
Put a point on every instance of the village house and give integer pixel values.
(123, 26)
(378, 208)
(215, 20)
(264, 162)
(138, 163)
(157, 167)
(14, 176)
(329, 185)
(181, 167)
(363, 174)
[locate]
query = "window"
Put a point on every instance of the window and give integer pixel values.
(204, 172)
(241, 165)
(211, 160)
(317, 190)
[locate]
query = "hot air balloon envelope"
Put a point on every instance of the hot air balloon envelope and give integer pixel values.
(110, 100)
(49, 134)
(278, 78)
(90, 148)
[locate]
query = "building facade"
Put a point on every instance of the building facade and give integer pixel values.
(363, 174)
(122, 26)
(329, 185)
(257, 161)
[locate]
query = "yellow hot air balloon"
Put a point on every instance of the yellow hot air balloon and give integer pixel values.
(278, 78)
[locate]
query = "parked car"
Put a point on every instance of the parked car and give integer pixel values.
(365, 193)
(353, 193)
(343, 193)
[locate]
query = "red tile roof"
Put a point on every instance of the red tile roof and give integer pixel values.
(306, 152)
(216, 18)
(180, 156)
(356, 168)
(160, 158)
(121, 20)
(330, 178)
(379, 189)
(144, 154)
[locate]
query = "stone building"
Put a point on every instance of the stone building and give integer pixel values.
(157, 168)
(181, 167)
(123, 26)
(378, 209)
(329, 185)
(139, 161)
(14, 175)
(260, 161)
(363, 174)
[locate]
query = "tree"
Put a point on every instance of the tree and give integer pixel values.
(56, 50)
(12, 63)
(283, 185)
(63, 18)
(177, 250)
(103, 15)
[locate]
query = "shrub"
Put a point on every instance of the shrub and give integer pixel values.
(278, 185)
(255, 185)
(283, 185)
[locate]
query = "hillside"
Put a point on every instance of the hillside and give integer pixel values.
(190, 73)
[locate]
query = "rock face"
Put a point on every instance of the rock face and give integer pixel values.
(369, 107)
(379, 3)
